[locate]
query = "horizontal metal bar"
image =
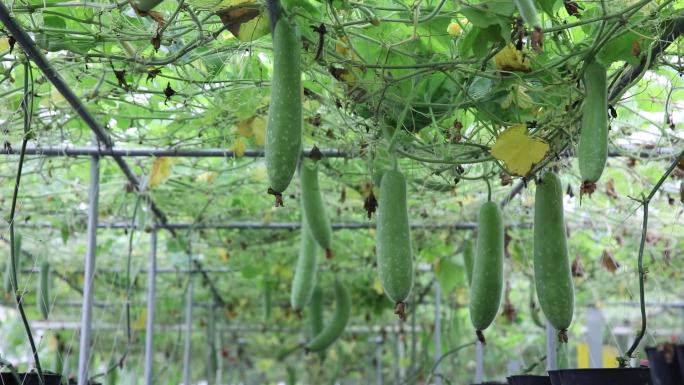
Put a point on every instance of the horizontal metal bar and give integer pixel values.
(252, 225)
(297, 225)
(56, 151)
(167, 270)
(150, 152)
(71, 325)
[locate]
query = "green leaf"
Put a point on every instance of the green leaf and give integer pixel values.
(620, 49)
(450, 275)
(54, 22)
(250, 271)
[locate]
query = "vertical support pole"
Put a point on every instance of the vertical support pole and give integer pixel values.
(219, 369)
(438, 330)
(551, 344)
(187, 351)
(151, 300)
(595, 337)
(89, 273)
(398, 352)
(479, 362)
(682, 311)
(378, 360)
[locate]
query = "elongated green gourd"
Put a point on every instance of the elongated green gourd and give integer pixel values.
(316, 311)
(552, 275)
(284, 130)
(468, 260)
(528, 11)
(43, 292)
(304, 279)
(333, 329)
(593, 141)
(313, 207)
(393, 240)
(487, 284)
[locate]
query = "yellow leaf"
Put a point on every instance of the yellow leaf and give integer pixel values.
(139, 323)
(454, 29)
(437, 265)
(161, 170)
(510, 59)
(245, 127)
(206, 177)
(519, 151)
(377, 286)
(517, 95)
(238, 147)
(4, 44)
(348, 77)
(341, 46)
(223, 254)
(259, 130)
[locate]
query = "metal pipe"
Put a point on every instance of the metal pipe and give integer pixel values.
(595, 337)
(551, 344)
(378, 361)
(479, 362)
(75, 151)
(151, 301)
(438, 331)
(89, 273)
(72, 325)
(187, 350)
(252, 225)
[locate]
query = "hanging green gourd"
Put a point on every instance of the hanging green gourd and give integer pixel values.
(313, 206)
(284, 129)
(393, 241)
(487, 281)
(552, 274)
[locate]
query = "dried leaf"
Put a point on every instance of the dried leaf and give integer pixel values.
(238, 147)
(610, 189)
(577, 268)
(370, 204)
(247, 21)
(223, 254)
(168, 92)
(609, 262)
(636, 48)
(519, 151)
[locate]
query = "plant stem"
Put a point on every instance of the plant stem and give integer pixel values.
(642, 273)
(13, 257)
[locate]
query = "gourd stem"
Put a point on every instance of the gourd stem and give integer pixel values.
(640, 262)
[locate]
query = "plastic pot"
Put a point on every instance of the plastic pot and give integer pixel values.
(679, 356)
(664, 372)
(491, 383)
(30, 379)
(529, 380)
(613, 376)
(554, 376)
